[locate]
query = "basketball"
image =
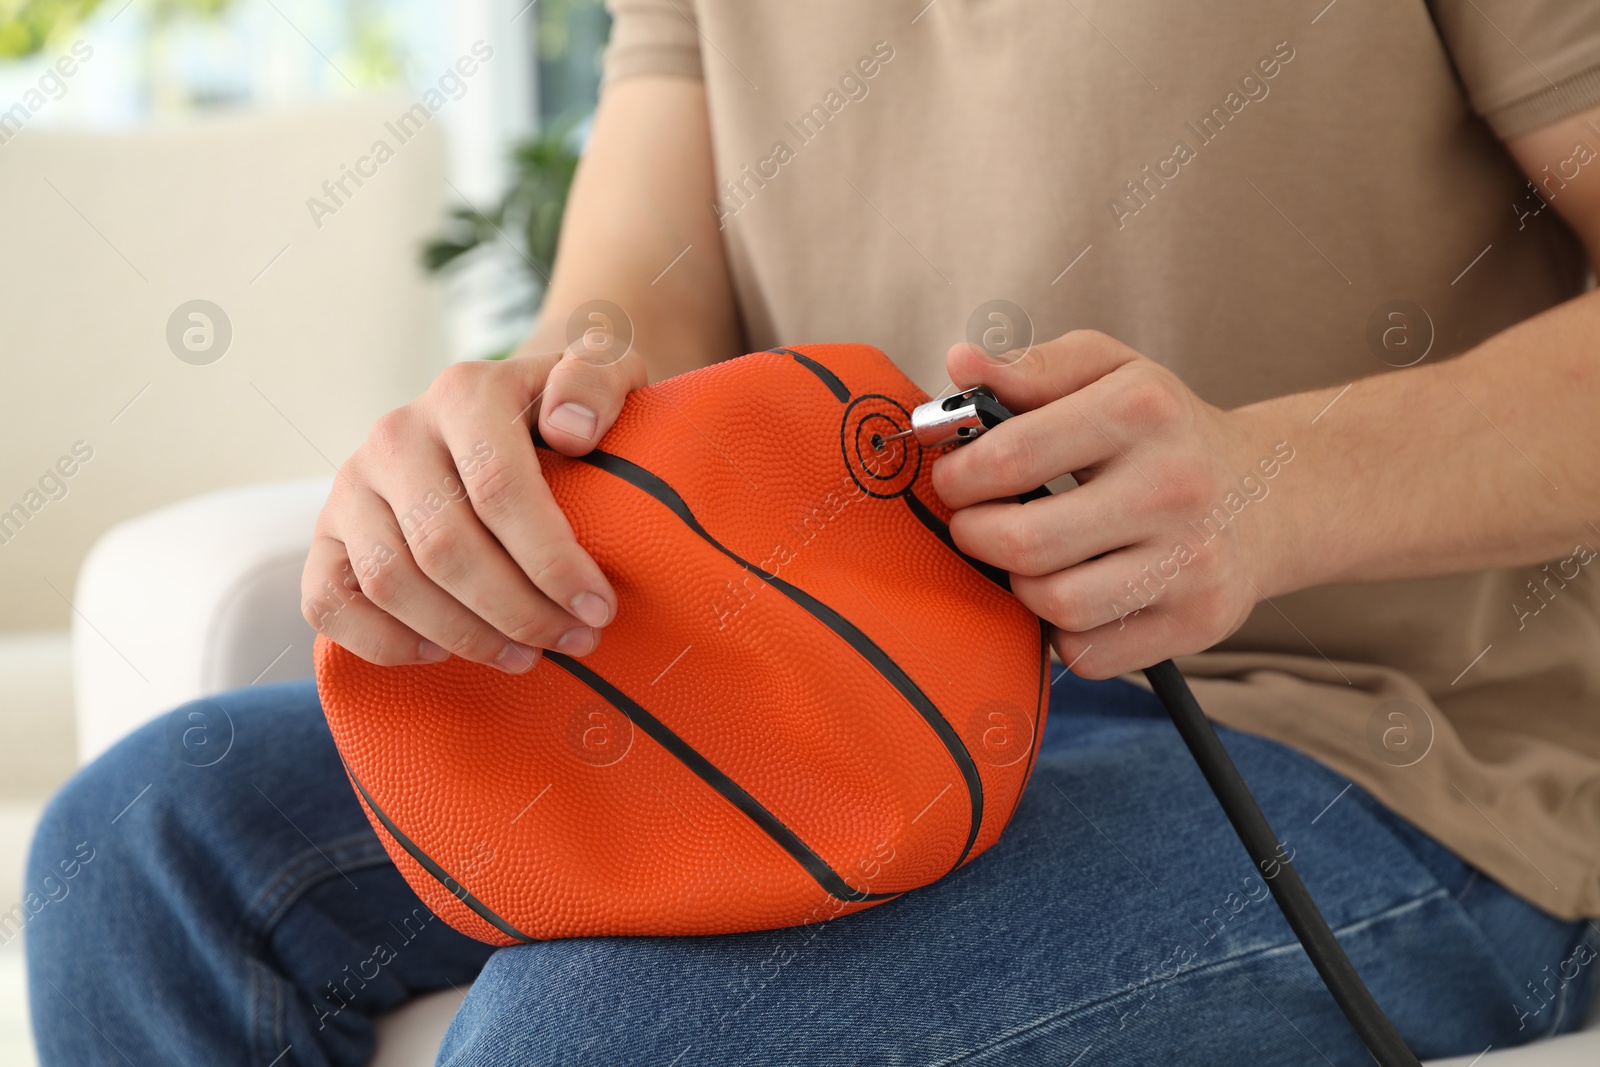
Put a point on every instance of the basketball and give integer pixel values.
(809, 701)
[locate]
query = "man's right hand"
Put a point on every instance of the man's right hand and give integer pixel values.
(441, 537)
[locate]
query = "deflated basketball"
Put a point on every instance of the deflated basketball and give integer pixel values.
(809, 701)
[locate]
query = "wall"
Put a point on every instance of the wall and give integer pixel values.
(106, 235)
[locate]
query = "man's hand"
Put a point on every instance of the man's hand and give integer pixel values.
(1122, 566)
(441, 536)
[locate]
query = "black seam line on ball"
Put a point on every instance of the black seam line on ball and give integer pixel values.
(458, 890)
(842, 628)
(926, 516)
(830, 379)
(708, 772)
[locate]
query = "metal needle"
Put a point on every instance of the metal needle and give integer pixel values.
(880, 443)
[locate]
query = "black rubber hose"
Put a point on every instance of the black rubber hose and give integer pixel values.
(1338, 973)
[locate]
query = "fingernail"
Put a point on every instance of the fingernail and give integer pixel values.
(516, 659)
(574, 419)
(433, 653)
(591, 609)
(577, 641)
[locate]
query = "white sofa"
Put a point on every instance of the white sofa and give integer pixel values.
(203, 596)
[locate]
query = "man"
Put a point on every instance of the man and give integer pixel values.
(1208, 236)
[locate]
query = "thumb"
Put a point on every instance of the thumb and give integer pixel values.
(583, 397)
(1027, 378)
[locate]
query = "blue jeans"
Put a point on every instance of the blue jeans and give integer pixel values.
(234, 907)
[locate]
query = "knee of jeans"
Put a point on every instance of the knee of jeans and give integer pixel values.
(57, 837)
(90, 809)
(124, 802)
(173, 777)
(60, 855)
(69, 848)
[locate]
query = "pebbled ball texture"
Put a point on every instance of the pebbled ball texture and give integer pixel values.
(809, 701)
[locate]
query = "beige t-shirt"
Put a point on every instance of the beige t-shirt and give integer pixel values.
(1239, 191)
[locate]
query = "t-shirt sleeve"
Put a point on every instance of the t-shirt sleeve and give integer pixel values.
(658, 37)
(1525, 63)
